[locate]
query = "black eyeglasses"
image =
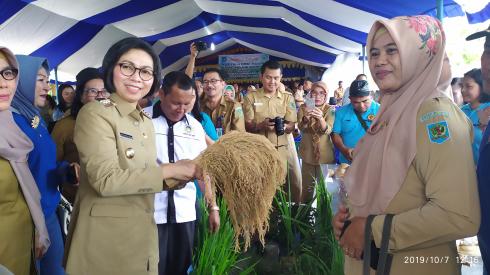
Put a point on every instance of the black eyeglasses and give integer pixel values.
(95, 92)
(129, 69)
(9, 73)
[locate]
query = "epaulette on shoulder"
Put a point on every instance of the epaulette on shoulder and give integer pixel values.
(108, 103)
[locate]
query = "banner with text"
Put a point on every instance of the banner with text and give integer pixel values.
(239, 66)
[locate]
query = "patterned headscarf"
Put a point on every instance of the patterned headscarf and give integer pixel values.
(384, 155)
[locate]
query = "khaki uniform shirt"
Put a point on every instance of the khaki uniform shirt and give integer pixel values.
(257, 106)
(230, 114)
(339, 94)
(63, 137)
(16, 229)
(306, 149)
(438, 202)
(112, 230)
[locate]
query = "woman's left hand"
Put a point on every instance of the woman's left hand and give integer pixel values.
(352, 242)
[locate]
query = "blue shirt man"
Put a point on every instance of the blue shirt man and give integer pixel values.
(477, 132)
(352, 120)
(483, 169)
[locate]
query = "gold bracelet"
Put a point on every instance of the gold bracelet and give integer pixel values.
(214, 208)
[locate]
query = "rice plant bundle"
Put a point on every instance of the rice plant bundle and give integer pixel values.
(248, 170)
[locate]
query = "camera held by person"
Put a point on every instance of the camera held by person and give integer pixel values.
(278, 125)
(201, 46)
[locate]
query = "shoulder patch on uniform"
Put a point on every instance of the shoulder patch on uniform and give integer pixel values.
(438, 132)
(434, 116)
(107, 102)
(238, 111)
(292, 105)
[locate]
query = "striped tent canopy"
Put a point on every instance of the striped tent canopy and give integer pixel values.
(74, 34)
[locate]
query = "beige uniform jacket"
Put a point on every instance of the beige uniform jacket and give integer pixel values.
(438, 201)
(16, 226)
(230, 114)
(112, 230)
(63, 137)
(306, 149)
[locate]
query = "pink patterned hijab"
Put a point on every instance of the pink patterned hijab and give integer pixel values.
(383, 157)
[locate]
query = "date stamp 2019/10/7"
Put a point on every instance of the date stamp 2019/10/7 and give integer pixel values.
(461, 259)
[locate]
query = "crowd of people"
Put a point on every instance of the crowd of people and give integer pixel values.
(119, 148)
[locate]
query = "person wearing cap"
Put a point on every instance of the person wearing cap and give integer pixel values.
(316, 147)
(90, 87)
(353, 119)
(483, 171)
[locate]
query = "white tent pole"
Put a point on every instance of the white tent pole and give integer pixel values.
(363, 57)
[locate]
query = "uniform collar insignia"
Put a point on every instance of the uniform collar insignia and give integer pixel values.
(35, 122)
(107, 102)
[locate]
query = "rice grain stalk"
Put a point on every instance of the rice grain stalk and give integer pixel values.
(247, 170)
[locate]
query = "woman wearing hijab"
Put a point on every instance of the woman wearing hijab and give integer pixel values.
(20, 202)
(90, 87)
(112, 230)
(30, 96)
(412, 186)
(316, 147)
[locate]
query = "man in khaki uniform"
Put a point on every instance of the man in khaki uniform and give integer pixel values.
(260, 109)
(226, 115)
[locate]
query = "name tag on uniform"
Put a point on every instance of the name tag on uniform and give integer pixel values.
(126, 136)
(258, 103)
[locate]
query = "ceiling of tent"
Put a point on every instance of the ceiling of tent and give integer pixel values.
(76, 34)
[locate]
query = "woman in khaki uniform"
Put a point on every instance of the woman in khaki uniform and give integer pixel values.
(20, 205)
(112, 229)
(415, 164)
(316, 147)
(90, 87)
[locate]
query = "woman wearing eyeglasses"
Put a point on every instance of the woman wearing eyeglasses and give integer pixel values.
(21, 215)
(112, 230)
(315, 123)
(90, 87)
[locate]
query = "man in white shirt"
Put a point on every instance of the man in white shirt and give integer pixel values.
(178, 136)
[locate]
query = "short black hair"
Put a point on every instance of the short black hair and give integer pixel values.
(476, 75)
(178, 78)
(83, 77)
(456, 80)
(221, 73)
(61, 101)
(196, 109)
(360, 75)
(121, 47)
(271, 64)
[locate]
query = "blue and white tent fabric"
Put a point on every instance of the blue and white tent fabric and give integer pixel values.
(74, 34)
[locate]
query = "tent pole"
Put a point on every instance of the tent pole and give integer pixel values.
(363, 57)
(56, 81)
(440, 9)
